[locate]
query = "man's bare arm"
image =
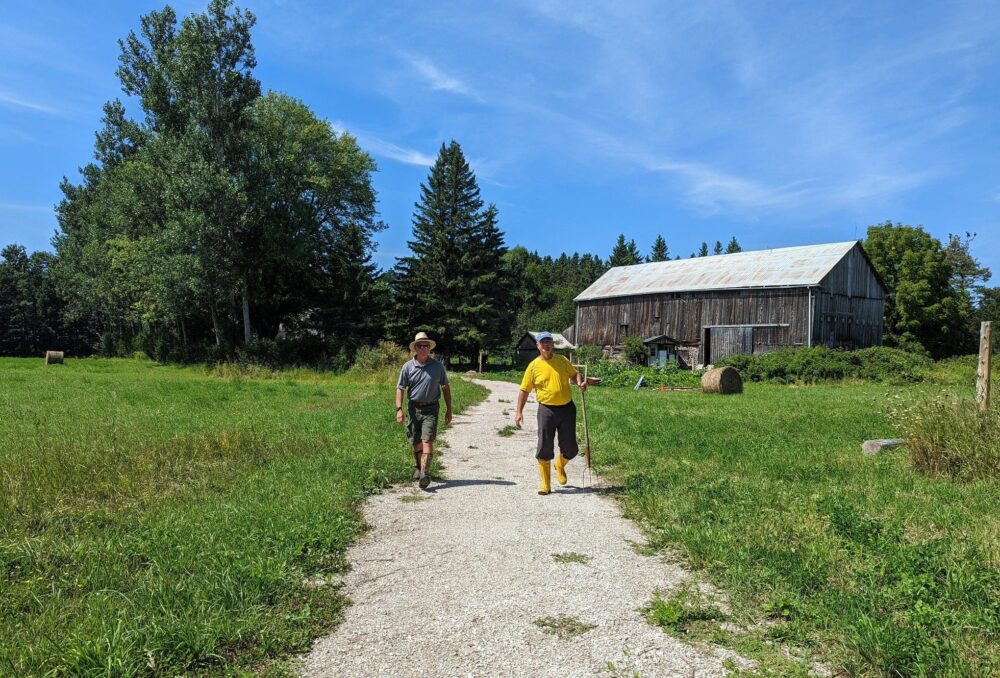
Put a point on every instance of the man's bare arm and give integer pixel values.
(446, 389)
(522, 398)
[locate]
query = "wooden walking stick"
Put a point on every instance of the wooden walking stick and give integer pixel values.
(588, 472)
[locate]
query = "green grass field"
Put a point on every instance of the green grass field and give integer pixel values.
(158, 520)
(860, 561)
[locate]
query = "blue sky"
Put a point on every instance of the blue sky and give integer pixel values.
(779, 123)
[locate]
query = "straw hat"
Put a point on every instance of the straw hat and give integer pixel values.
(421, 336)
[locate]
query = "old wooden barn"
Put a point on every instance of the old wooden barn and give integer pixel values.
(748, 302)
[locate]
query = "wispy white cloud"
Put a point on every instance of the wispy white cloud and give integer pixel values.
(15, 101)
(410, 156)
(386, 149)
(715, 190)
(437, 79)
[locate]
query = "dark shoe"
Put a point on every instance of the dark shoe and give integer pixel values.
(425, 480)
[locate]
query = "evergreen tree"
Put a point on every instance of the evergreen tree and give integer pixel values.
(624, 253)
(659, 251)
(453, 284)
(718, 248)
(703, 250)
(733, 246)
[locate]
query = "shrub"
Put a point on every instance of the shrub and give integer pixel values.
(259, 351)
(826, 364)
(635, 351)
(589, 354)
(879, 363)
(379, 357)
(619, 373)
(378, 364)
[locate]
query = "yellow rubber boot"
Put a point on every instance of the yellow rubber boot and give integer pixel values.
(545, 471)
(561, 469)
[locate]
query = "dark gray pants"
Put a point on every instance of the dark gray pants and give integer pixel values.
(553, 418)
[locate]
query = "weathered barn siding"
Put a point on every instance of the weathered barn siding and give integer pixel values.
(849, 304)
(841, 308)
(781, 313)
(847, 322)
(853, 276)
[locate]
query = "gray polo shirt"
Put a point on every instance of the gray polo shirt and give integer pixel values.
(424, 381)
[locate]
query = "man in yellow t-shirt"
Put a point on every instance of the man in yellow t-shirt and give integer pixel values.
(549, 376)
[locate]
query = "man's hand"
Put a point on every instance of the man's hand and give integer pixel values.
(518, 419)
(399, 417)
(447, 416)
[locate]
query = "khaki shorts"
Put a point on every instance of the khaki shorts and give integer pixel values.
(423, 422)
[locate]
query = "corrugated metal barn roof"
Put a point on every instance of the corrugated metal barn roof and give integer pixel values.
(783, 267)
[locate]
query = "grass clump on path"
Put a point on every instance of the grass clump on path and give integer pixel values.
(571, 557)
(875, 567)
(162, 520)
(564, 626)
(679, 611)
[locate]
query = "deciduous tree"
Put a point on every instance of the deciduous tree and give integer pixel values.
(924, 311)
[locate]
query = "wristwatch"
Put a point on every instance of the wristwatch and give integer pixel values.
(399, 408)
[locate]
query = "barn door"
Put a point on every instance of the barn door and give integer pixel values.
(727, 341)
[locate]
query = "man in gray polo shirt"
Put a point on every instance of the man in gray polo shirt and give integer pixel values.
(425, 379)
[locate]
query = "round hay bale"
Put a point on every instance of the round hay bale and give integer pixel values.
(53, 357)
(722, 380)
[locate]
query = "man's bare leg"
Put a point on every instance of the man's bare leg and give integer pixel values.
(418, 448)
(425, 463)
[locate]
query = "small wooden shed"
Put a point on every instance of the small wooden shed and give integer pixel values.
(526, 350)
(662, 349)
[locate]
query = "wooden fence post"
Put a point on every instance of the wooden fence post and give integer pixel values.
(983, 368)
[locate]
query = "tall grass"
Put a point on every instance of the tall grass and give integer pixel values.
(949, 435)
(157, 520)
(863, 562)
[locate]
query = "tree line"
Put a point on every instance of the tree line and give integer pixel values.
(231, 222)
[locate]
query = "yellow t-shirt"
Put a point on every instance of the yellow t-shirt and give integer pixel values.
(550, 379)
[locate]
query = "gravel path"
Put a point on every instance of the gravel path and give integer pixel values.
(449, 582)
